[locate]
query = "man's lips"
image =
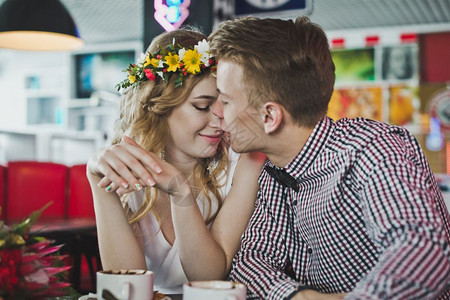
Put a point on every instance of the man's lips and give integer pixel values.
(212, 139)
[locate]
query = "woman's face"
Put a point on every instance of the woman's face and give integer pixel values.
(195, 131)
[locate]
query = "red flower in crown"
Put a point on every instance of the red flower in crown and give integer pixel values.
(149, 74)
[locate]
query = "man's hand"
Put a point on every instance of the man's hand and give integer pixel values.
(314, 295)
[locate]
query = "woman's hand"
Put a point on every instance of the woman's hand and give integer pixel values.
(119, 247)
(127, 166)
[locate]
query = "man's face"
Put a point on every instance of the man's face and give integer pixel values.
(240, 119)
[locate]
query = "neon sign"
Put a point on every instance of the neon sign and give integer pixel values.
(171, 14)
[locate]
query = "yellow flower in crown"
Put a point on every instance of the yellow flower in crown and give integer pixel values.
(172, 61)
(192, 61)
(151, 61)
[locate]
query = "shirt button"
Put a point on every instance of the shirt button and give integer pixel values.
(295, 202)
(309, 250)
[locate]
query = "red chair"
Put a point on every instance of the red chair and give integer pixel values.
(81, 205)
(80, 196)
(32, 184)
(2, 191)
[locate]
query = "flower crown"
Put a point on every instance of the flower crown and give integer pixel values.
(168, 61)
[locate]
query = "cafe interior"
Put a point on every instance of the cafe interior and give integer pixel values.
(58, 98)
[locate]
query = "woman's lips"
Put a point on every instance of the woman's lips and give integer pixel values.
(212, 139)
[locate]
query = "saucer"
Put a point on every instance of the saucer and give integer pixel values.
(94, 297)
(88, 297)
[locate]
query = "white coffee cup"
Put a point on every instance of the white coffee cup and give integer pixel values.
(125, 284)
(215, 289)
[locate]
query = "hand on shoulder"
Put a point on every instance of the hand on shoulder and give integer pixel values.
(127, 166)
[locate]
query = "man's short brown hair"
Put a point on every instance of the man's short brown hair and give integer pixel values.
(285, 61)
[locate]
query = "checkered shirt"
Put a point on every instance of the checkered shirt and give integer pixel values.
(368, 220)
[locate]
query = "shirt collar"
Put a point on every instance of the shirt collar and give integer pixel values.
(310, 150)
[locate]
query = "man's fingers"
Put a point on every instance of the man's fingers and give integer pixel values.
(127, 165)
(145, 157)
(129, 140)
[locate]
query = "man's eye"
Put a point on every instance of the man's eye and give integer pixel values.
(206, 108)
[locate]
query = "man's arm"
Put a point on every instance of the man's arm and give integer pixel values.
(262, 257)
(407, 219)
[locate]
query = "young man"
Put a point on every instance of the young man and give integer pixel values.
(347, 208)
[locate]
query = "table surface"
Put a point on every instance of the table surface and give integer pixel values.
(72, 225)
(172, 297)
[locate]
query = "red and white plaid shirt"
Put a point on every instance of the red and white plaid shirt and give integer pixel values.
(368, 220)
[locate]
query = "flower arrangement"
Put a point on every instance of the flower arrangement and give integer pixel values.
(27, 268)
(168, 61)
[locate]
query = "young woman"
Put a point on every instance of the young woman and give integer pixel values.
(170, 151)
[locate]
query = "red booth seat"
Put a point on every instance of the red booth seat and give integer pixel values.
(26, 186)
(2, 191)
(80, 196)
(31, 185)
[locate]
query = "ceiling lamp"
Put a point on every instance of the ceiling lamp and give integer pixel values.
(37, 25)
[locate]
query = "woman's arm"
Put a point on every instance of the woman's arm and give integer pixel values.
(204, 254)
(208, 254)
(119, 247)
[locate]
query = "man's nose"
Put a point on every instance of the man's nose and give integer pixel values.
(217, 109)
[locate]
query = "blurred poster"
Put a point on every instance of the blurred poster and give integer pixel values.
(356, 102)
(400, 63)
(100, 71)
(403, 104)
(354, 65)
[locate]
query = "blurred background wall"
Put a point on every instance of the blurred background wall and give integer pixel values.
(392, 64)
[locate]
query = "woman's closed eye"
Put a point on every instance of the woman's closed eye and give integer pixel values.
(203, 108)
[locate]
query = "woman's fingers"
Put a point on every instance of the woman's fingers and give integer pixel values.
(104, 182)
(122, 191)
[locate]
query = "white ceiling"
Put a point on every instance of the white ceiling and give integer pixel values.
(356, 14)
(101, 21)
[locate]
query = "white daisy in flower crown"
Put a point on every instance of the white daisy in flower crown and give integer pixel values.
(203, 48)
(170, 60)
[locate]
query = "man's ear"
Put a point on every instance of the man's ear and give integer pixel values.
(272, 114)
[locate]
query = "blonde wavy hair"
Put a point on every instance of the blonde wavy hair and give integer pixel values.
(143, 117)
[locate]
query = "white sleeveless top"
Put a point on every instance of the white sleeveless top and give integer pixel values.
(161, 257)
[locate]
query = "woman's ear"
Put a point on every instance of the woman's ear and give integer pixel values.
(272, 114)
